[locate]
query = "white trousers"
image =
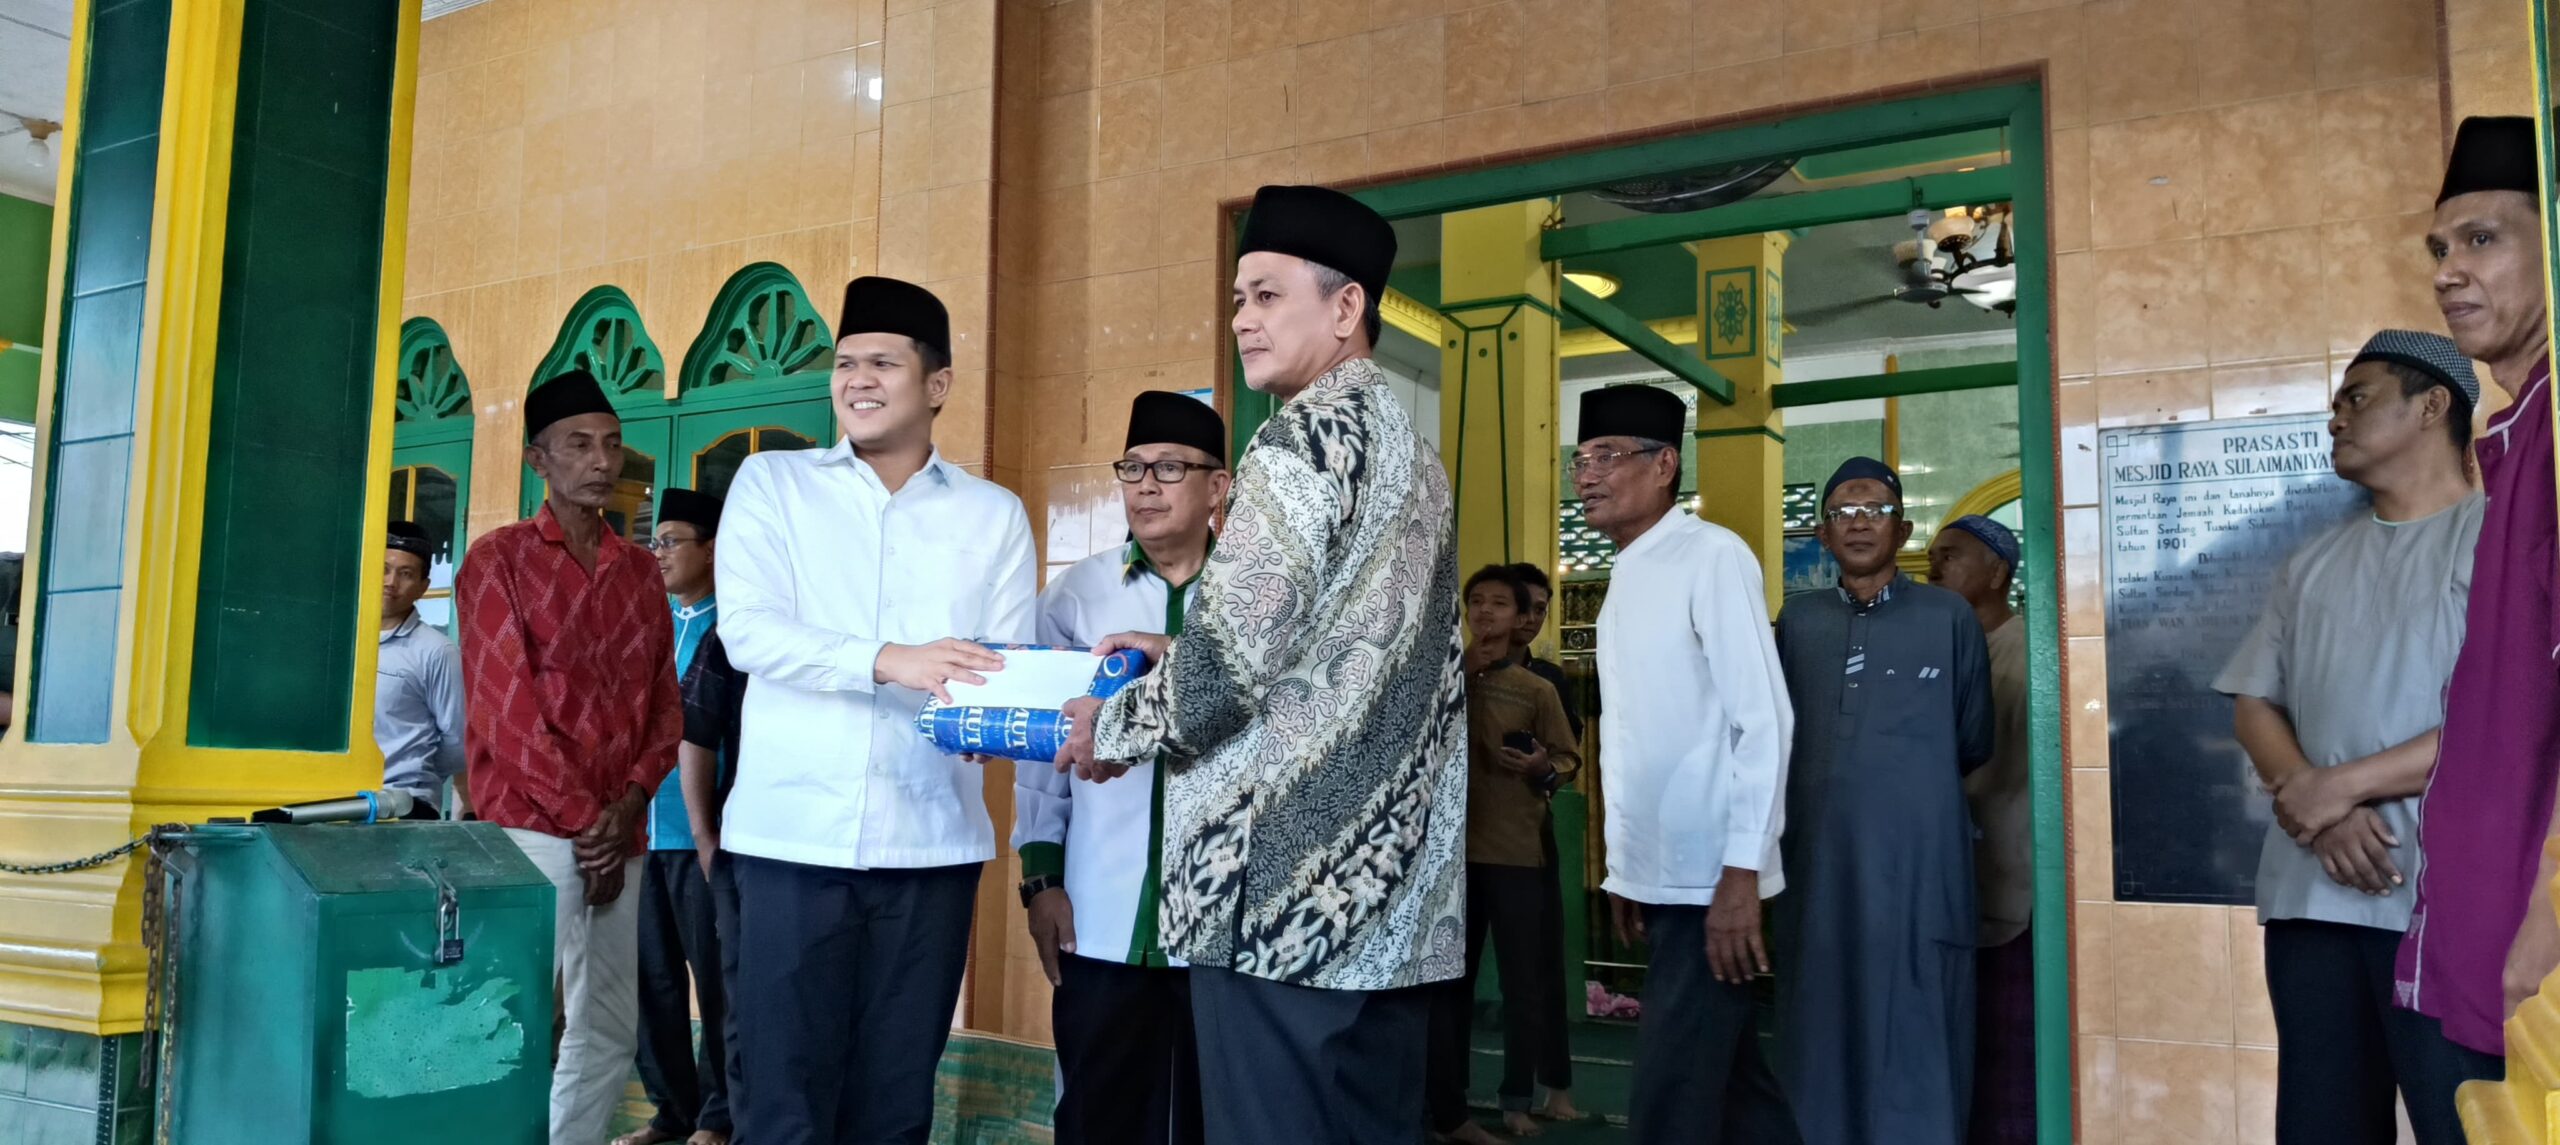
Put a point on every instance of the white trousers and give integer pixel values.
(596, 954)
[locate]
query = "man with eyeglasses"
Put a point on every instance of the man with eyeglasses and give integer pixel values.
(679, 936)
(1092, 853)
(1875, 1011)
(1695, 735)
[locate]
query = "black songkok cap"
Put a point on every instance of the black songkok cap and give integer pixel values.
(874, 305)
(1862, 469)
(1649, 412)
(1326, 227)
(2491, 153)
(411, 537)
(692, 507)
(1160, 417)
(564, 396)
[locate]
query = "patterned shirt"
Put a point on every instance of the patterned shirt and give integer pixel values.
(570, 676)
(1313, 711)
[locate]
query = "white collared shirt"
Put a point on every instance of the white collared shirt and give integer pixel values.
(820, 565)
(1695, 726)
(1109, 831)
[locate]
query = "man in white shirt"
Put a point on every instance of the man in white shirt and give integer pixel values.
(855, 581)
(1091, 852)
(1695, 730)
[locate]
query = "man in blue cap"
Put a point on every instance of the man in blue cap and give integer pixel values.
(1893, 681)
(2338, 697)
(1976, 558)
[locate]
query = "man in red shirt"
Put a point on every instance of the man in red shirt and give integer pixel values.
(569, 669)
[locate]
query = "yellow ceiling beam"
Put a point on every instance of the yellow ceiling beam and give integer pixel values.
(1681, 331)
(1401, 311)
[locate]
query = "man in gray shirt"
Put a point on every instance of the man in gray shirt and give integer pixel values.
(417, 686)
(2338, 692)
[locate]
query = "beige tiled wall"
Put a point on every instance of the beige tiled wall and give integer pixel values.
(2239, 191)
(657, 145)
(2238, 195)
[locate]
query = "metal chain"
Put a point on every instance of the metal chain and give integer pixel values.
(100, 859)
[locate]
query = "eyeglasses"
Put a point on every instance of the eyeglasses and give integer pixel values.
(666, 544)
(1876, 511)
(1167, 472)
(1596, 463)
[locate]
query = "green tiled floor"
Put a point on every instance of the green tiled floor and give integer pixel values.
(998, 1093)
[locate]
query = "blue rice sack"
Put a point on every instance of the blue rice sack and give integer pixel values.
(1017, 714)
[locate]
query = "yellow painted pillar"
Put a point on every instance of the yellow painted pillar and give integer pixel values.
(1498, 384)
(1742, 447)
(198, 626)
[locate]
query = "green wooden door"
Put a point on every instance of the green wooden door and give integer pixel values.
(431, 485)
(710, 445)
(646, 457)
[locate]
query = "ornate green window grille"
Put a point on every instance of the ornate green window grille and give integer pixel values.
(603, 335)
(432, 384)
(762, 328)
(431, 456)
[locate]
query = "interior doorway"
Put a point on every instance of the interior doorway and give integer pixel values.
(1877, 277)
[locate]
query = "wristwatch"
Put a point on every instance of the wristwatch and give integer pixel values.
(1033, 885)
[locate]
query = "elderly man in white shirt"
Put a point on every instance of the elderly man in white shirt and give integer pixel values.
(854, 582)
(1694, 735)
(1092, 853)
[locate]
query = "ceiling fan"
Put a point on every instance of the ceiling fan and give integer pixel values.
(1962, 253)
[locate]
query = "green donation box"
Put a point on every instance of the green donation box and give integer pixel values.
(335, 984)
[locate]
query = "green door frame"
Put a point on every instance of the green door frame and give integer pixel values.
(2017, 109)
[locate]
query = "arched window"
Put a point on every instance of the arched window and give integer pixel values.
(754, 379)
(431, 456)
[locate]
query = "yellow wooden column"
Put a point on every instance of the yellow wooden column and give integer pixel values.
(1742, 447)
(1498, 384)
(198, 627)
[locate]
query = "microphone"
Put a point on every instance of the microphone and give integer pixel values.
(362, 807)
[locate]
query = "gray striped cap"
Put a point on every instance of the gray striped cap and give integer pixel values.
(2431, 354)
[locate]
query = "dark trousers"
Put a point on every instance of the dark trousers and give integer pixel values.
(1282, 1063)
(1502, 902)
(1554, 1003)
(680, 967)
(724, 913)
(1125, 1047)
(846, 985)
(1699, 1077)
(2004, 1041)
(2343, 1047)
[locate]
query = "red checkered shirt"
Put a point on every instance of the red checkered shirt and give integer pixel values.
(569, 677)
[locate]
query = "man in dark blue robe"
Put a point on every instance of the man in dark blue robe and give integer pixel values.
(1892, 691)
